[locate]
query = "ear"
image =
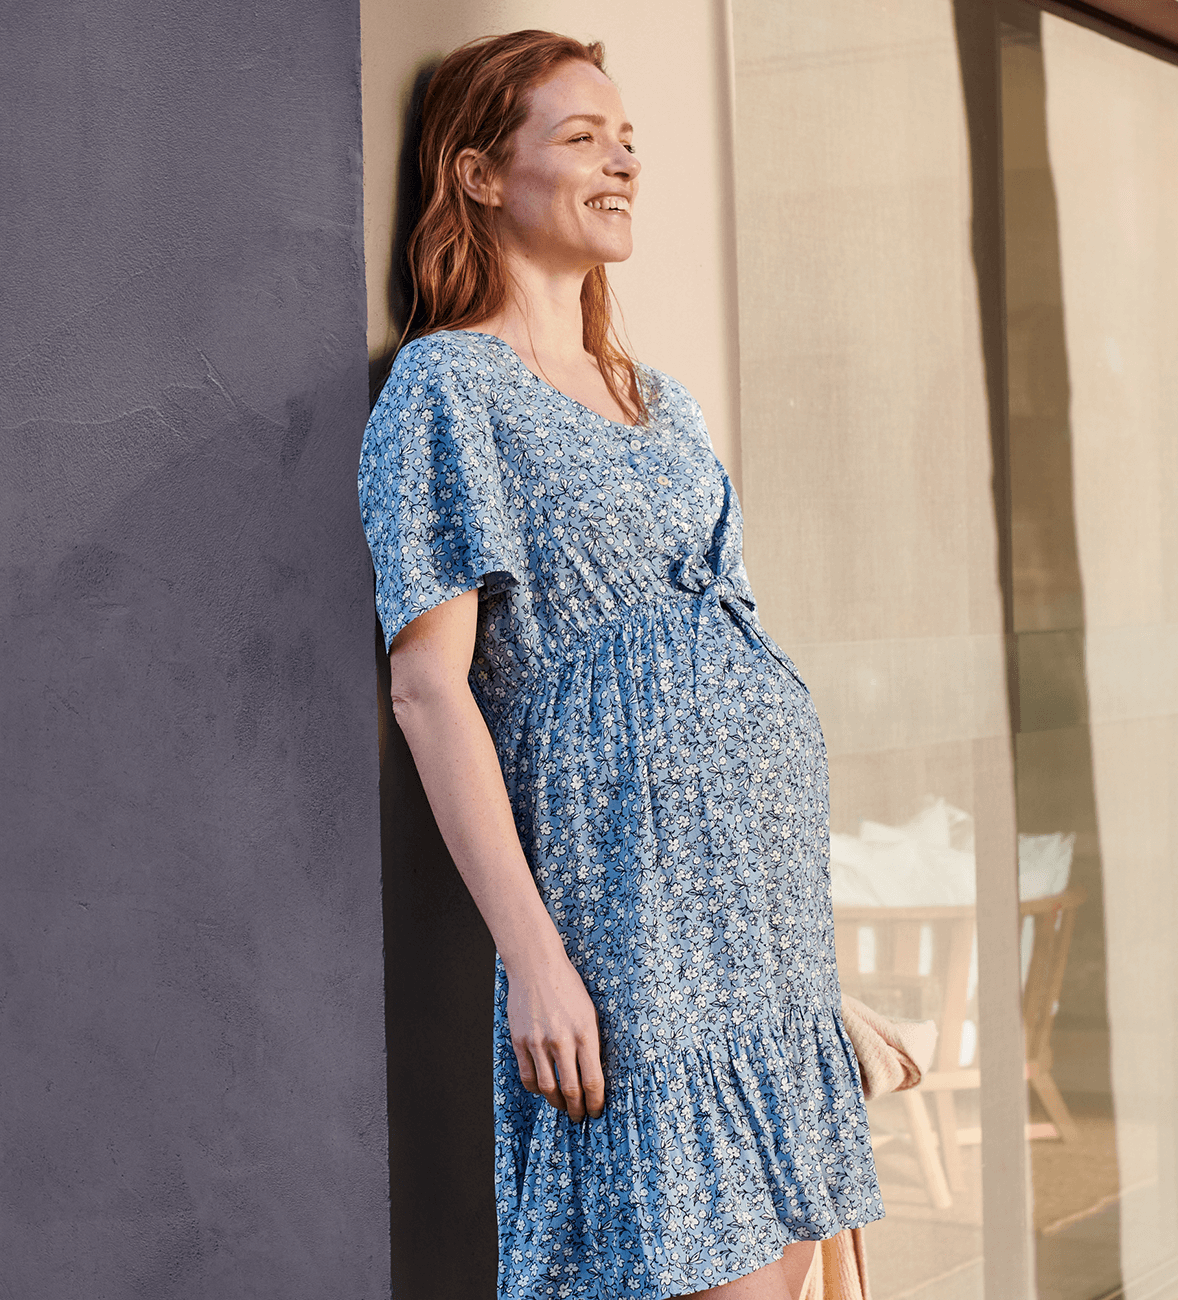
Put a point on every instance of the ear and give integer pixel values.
(474, 175)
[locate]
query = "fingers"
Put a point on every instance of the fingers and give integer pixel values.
(568, 1076)
(570, 1082)
(527, 1070)
(536, 1073)
(592, 1078)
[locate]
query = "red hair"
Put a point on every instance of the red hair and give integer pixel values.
(478, 99)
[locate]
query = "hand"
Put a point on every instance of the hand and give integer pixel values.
(553, 1022)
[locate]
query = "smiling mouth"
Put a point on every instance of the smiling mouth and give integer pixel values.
(610, 203)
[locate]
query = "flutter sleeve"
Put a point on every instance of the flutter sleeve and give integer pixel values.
(432, 496)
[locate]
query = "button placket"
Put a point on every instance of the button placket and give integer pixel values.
(636, 446)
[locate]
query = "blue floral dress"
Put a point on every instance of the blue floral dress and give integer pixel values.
(668, 779)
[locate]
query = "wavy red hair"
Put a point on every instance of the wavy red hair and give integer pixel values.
(477, 99)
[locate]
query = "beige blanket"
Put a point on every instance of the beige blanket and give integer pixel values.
(892, 1056)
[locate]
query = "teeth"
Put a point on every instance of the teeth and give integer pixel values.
(611, 204)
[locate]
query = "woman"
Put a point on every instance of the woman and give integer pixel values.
(627, 770)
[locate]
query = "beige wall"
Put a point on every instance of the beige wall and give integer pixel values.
(671, 63)
(1112, 116)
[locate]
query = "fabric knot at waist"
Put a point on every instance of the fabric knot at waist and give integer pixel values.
(730, 591)
(693, 573)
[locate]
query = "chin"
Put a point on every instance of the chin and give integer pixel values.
(616, 252)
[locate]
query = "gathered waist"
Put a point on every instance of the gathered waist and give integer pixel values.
(637, 624)
(677, 607)
(569, 660)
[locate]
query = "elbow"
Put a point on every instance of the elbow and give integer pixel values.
(419, 690)
(402, 707)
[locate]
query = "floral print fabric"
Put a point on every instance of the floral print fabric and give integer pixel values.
(668, 779)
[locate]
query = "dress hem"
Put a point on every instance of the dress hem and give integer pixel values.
(738, 1271)
(758, 1132)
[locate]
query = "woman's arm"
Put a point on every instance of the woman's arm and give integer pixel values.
(549, 1010)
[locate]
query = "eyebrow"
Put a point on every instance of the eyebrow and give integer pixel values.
(595, 118)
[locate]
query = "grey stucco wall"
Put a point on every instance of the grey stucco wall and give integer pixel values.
(191, 1011)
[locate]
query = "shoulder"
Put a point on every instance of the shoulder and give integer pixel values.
(672, 399)
(445, 373)
(458, 354)
(660, 386)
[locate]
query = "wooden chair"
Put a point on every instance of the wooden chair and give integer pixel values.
(898, 987)
(1054, 921)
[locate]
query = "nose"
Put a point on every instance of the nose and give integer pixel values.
(623, 163)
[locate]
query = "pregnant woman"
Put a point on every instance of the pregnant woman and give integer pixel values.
(627, 770)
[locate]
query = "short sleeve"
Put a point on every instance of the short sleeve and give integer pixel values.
(432, 496)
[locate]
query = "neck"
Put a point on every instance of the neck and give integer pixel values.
(542, 316)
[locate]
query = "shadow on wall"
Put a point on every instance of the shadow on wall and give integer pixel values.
(1016, 244)
(439, 955)
(406, 214)
(1054, 750)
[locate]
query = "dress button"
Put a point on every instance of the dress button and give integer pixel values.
(635, 444)
(664, 480)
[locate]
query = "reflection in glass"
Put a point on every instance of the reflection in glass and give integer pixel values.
(870, 539)
(944, 617)
(1091, 203)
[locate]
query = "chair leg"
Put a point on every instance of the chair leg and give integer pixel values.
(926, 1149)
(1054, 1105)
(950, 1147)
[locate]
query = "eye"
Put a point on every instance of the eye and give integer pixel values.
(630, 148)
(580, 137)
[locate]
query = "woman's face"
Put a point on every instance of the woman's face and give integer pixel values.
(564, 200)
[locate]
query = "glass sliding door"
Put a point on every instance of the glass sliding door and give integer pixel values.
(957, 239)
(872, 541)
(1090, 141)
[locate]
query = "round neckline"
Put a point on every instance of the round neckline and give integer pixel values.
(482, 334)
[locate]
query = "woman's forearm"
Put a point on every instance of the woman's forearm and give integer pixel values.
(460, 773)
(551, 1016)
